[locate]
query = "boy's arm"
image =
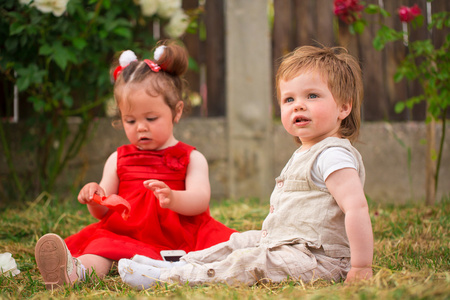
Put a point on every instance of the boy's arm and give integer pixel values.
(347, 190)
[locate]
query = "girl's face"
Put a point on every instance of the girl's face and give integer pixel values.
(148, 120)
(308, 109)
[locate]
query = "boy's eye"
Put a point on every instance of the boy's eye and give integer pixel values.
(312, 96)
(290, 99)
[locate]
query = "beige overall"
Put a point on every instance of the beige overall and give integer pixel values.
(302, 238)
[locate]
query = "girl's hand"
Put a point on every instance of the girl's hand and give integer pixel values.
(356, 274)
(87, 193)
(161, 191)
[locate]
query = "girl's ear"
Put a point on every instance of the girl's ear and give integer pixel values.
(345, 110)
(178, 111)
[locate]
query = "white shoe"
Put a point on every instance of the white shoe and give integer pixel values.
(138, 275)
(156, 263)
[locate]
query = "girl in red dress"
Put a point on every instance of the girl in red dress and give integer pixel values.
(164, 181)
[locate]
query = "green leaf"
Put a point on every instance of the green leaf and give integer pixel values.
(399, 107)
(398, 76)
(16, 28)
(79, 43)
(28, 76)
(193, 64)
(417, 21)
(378, 43)
(122, 31)
(359, 26)
(351, 29)
(68, 101)
(61, 58)
(38, 103)
(62, 55)
(11, 44)
(372, 9)
(45, 50)
(23, 83)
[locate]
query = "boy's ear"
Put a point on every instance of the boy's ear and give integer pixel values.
(178, 111)
(345, 110)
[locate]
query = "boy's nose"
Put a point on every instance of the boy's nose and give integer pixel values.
(299, 106)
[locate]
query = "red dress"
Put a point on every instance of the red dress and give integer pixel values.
(149, 228)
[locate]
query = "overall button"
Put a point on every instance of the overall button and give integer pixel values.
(211, 273)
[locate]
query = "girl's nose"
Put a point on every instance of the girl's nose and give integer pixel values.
(141, 127)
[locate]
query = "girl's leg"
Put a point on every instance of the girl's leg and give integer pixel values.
(99, 264)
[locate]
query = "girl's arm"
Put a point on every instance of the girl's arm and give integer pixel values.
(195, 199)
(347, 190)
(108, 185)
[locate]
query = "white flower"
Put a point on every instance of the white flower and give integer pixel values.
(149, 7)
(167, 8)
(8, 265)
(177, 24)
(57, 7)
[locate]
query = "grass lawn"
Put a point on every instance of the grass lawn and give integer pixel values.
(411, 260)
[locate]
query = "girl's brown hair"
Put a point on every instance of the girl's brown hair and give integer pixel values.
(339, 69)
(168, 82)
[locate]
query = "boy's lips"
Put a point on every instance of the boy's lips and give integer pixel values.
(301, 120)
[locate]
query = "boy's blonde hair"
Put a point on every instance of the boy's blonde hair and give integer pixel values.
(339, 69)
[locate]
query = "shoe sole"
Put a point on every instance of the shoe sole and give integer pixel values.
(51, 259)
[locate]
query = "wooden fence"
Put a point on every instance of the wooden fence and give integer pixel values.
(312, 22)
(306, 22)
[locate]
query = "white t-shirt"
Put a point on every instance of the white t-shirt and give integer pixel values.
(329, 161)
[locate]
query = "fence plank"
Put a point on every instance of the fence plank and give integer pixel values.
(419, 110)
(375, 106)
(304, 16)
(215, 58)
(324, 22)
(393, 54)
(282, 40)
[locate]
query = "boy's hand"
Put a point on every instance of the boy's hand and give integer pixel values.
(357, 274)
(161, 191)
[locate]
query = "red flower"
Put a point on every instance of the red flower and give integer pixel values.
(348, 10)
(175, 158)
(407, 14)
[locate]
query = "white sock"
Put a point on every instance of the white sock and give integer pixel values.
(138, 275)
(156, 263)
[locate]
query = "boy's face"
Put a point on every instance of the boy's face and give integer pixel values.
(308, 109)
